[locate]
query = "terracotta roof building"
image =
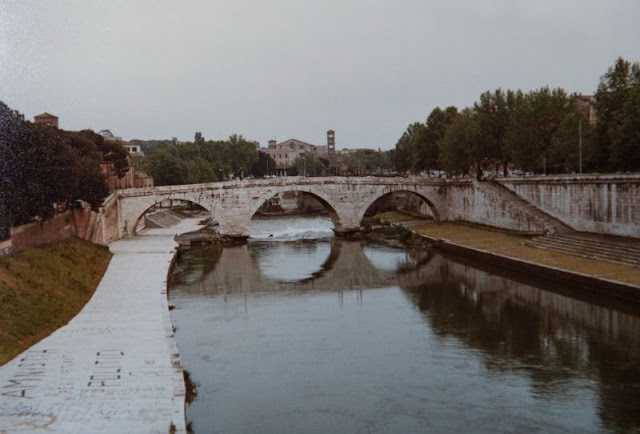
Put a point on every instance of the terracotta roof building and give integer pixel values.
(46, 119)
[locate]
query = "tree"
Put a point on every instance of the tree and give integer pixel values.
(263, 166)
(198, 171)
(494, 115)
(436, 127)
(626, 150)
(242, 154)
(308, 164)
(406, 157)
(198, 138)
(535, 126)
(166, 167)
(459, 147)
(417, 149)
(43, 167)
(614, 149)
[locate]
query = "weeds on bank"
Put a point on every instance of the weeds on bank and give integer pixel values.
(379, 228)
(42, 288)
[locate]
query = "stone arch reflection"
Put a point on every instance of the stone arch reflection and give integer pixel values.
(337, 265)
(291, 261)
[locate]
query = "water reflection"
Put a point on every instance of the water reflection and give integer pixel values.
(566, 347)
(440, 345)
(291, 261)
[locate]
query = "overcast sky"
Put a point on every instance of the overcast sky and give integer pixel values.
(293, 68)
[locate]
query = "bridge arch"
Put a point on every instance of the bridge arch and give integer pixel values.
(237, 224)
(437, 214)
(319, 196)
(133, 209)
(232, 204)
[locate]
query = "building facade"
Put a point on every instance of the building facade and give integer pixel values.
(285, 153)
(46, 119)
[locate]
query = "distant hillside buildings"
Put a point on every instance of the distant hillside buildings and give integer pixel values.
(108, 135)
(286, 152)
(46, 119)
(133, 178)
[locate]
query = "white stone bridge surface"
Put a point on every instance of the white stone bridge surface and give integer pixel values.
(114, 368)
(232, 204)
(607, 204)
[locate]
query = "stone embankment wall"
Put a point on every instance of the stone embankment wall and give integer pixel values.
(607, 204)
(480, 202)
(81, 222)
(76, 222)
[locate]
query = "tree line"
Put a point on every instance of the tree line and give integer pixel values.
(541, 131)
(42, 167)
(205, 161)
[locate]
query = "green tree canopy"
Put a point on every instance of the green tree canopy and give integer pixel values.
(458, 148)
(42, 166)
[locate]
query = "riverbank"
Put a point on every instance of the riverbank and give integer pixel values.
(43, 288)
(508, 250)
(115, 367)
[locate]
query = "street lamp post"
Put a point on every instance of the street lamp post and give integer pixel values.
(580, 144)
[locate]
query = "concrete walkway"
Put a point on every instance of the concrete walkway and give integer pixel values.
(115, 367)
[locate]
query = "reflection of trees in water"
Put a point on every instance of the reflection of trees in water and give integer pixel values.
(552, 348)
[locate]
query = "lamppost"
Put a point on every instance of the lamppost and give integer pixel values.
(580, 144)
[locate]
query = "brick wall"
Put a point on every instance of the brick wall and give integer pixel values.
(61, 226)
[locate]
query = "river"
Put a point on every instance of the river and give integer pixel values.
(297, 331)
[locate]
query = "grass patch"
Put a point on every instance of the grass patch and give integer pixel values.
(399, 217)
(42, 288)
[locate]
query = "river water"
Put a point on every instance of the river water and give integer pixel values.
(297, 331)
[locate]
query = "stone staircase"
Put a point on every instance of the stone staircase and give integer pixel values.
(592, 246)
(163, 218)
(551, 224)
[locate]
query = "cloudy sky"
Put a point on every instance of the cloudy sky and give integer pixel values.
(295, 68)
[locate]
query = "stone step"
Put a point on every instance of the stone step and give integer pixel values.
(589, 249)
(551, 223)
(587, 254)
(592, 253)
(596, 247)
(607, 245)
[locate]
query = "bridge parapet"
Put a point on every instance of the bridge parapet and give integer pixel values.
(603, 203)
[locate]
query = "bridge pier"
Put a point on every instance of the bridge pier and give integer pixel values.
(346, 232)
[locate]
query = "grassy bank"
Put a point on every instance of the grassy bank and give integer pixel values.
(509, 244)
(42, 288)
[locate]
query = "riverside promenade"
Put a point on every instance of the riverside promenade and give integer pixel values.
(500, 247)
(114, 368)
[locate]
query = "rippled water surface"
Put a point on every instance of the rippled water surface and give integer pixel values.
(294, 334)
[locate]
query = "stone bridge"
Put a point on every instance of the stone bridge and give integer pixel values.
(599, 203)
(232, 204)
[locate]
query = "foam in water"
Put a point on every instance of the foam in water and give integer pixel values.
(291, 228)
